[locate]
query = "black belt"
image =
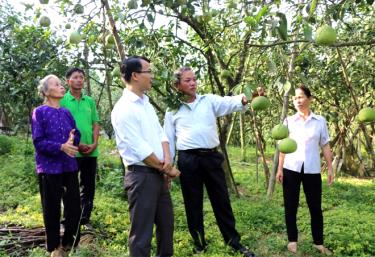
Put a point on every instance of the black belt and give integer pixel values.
(200, 151)
(140, 168)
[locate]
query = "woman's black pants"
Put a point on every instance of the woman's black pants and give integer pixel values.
(312, 186)
(53, 188)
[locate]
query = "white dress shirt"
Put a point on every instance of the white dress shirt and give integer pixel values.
(137, 129)
(194, 125)
(310, 135)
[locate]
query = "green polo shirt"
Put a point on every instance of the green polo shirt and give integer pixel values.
(85, 115)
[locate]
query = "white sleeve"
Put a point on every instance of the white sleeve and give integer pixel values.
(170, 132)
(127, 131)
(224, 105)
(324, 136)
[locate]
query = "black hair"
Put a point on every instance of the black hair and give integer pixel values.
(305, 90)
(130, 65)
(72, 70)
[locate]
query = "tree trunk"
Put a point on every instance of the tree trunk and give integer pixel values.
(272, 181)
(368, 144)
(231, 128)
(226, 164)
(119, 45)
(87, 69)
(242, 137)
(260, 147)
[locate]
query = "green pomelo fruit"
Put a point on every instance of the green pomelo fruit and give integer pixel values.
(132, 4)
(78, 9)
(43, 1)
(367, 114)
(68, 26)
(325, 35)
(59, 41)
(279, 132)
(75, 37)
(287, 145)
(260, 103)
(110, 39)
(44, 21)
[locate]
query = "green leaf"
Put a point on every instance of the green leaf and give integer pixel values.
(250, 21)
(287, 86)
(261, 13)
(248, 92)
(282, 29)
(271, 66)
(307, 32)
(313, 7)
(150, 18)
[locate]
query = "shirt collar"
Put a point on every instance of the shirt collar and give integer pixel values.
(134, 97)
(192, 105)
(311, 116)
(198, 97)
(71, 97)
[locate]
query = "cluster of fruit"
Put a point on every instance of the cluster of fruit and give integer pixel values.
(281, 132)
(74, 37)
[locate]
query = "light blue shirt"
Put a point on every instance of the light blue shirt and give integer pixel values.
(194, 125)
(310, 134)
(137, 129)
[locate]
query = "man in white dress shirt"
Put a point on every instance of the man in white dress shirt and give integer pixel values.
(144, 149)
(192, 130)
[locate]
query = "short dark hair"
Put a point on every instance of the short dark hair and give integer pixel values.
(130, 65)
(178, 73)
(72, 70)
(305, 90)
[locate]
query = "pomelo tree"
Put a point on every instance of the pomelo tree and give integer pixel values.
(236, 46)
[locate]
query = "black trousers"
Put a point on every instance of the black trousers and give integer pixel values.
(54, 188)
(198, 169)
(149, 203)
(312, 186)
(87, 167)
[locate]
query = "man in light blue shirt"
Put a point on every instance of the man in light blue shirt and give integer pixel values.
(192, 131)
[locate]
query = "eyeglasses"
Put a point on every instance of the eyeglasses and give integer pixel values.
(144, 71)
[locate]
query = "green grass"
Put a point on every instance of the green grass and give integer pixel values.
(348, 210)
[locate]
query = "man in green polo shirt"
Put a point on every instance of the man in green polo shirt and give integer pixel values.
(86, 117)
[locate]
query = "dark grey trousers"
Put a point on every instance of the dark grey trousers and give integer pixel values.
(149, 203)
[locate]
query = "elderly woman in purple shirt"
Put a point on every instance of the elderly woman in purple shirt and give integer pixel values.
(55, 139)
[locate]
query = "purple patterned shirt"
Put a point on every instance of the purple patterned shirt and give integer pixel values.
(50, 129)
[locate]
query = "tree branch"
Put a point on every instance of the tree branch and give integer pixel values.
(341, 44)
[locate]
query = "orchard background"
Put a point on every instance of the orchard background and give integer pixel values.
(234, 46)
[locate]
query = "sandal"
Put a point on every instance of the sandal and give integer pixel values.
(323, 250)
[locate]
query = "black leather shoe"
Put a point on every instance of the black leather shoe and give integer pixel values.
(242, 249)
(200, 244)
(199, 248)
(246, 252)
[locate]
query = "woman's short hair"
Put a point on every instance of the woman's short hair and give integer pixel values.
(43, 84)
(178, 73)
(305, 90)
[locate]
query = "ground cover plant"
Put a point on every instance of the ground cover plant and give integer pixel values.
(348, 210)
